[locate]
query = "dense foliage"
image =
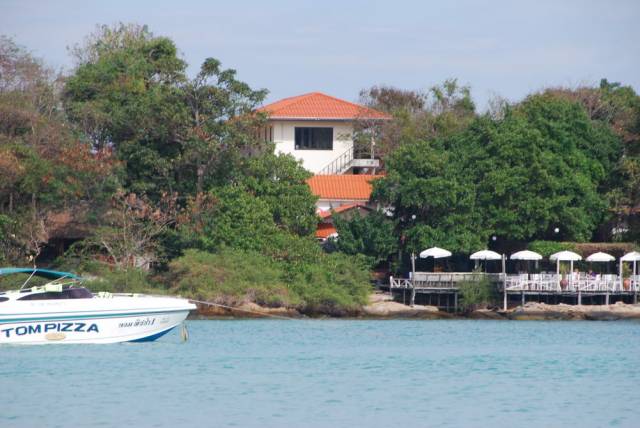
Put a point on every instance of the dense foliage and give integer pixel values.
(44, 167)
(372, 235)
(336, 285)
(537, 166)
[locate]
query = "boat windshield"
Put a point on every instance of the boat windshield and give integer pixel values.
(68, 293)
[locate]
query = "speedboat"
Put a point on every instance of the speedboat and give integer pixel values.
(64, 311)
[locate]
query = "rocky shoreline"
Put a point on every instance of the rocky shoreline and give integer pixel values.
(381, 306)
(541, 311)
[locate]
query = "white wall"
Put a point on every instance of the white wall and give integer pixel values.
(313, 160)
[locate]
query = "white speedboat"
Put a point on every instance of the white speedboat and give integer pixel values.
(63, 311)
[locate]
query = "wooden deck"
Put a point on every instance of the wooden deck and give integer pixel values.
(572, 287)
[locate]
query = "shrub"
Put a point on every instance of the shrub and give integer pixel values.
(229, 277)
(336, 284)
(477, 293)
(332, 284)
(130, 280)
(546, 248)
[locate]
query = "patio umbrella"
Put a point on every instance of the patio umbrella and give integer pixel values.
(564, 256)
(485, 255)
(633, 257)
(436, 253)
(600, 257)
(528, 256)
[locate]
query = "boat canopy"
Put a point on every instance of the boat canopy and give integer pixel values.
(44, 273)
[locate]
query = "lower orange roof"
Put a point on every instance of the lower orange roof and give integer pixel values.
(325, 230)
(340, 209)
(342, 187)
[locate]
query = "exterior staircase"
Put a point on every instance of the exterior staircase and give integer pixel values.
(347, 161)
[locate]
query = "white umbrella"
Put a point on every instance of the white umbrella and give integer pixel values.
(565, 256)
(485, 255)
(630, 257)
(634, 257)
(526, 255)
(568, 256)
(435, 252)
(600, 257)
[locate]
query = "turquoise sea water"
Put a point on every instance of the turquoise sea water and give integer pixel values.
(335, 373)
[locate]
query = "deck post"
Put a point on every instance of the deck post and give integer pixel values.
(455, 302)
(504, 305)
(523, 298)
(579, 297)
(606, 298)
(413, 279)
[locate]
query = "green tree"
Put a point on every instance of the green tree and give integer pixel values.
(130, 91)
(228, 216)
(220, 128)
(442, 111)
(44, 168)
(124, 94)
(373, 235)
(280, 181)
(538, 168)
(615, 108)
(433, 199)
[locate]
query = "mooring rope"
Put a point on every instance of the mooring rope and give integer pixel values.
(232, 308)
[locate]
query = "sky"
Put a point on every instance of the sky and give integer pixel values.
(290, 47)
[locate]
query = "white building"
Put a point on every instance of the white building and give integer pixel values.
(318, 130)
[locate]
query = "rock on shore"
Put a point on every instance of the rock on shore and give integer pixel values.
(542, 311)
(246, 310)
(382, 306)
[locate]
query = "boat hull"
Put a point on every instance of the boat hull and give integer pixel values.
(123, 319)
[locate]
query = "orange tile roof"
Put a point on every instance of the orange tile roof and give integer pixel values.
(316, 105)
(342, 187)
(325, 230)
(340, 209)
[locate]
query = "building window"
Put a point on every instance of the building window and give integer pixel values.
(314, 138)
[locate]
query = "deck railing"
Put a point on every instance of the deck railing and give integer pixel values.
(545, 283)
(423, 280)
(571, 283)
